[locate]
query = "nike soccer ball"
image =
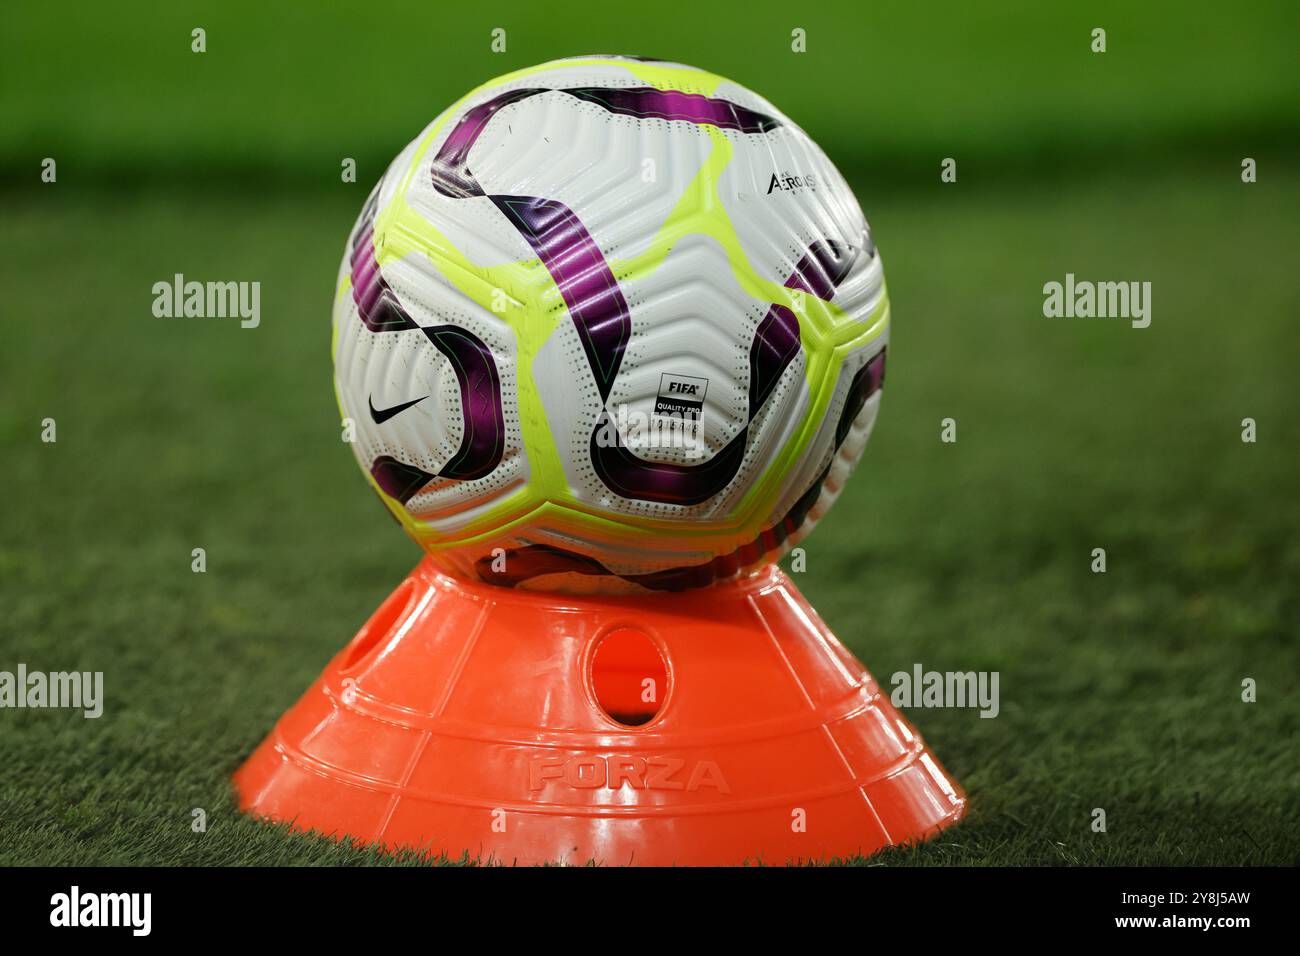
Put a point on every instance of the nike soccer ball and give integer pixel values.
(610, 324)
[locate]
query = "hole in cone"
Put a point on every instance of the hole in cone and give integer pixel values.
(381, 624)
(629, 677)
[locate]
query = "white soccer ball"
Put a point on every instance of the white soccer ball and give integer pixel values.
(610, 324)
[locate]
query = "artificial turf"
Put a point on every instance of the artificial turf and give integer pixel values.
(1119, 690)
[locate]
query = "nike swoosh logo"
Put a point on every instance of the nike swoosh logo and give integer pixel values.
(381, 415)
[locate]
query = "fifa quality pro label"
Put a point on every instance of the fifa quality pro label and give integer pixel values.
(680, 396)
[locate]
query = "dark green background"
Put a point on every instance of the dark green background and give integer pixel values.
(1119, 691)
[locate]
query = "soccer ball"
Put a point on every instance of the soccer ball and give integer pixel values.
(609, 324)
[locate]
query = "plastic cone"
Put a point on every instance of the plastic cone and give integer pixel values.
(708, 727)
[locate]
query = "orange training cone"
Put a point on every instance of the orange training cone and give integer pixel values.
(707, 727)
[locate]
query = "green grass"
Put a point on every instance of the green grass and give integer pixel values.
(284, 91)
(1119, 691)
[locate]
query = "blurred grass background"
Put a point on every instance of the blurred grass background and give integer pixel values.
(1119, 691)
(285, 90)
